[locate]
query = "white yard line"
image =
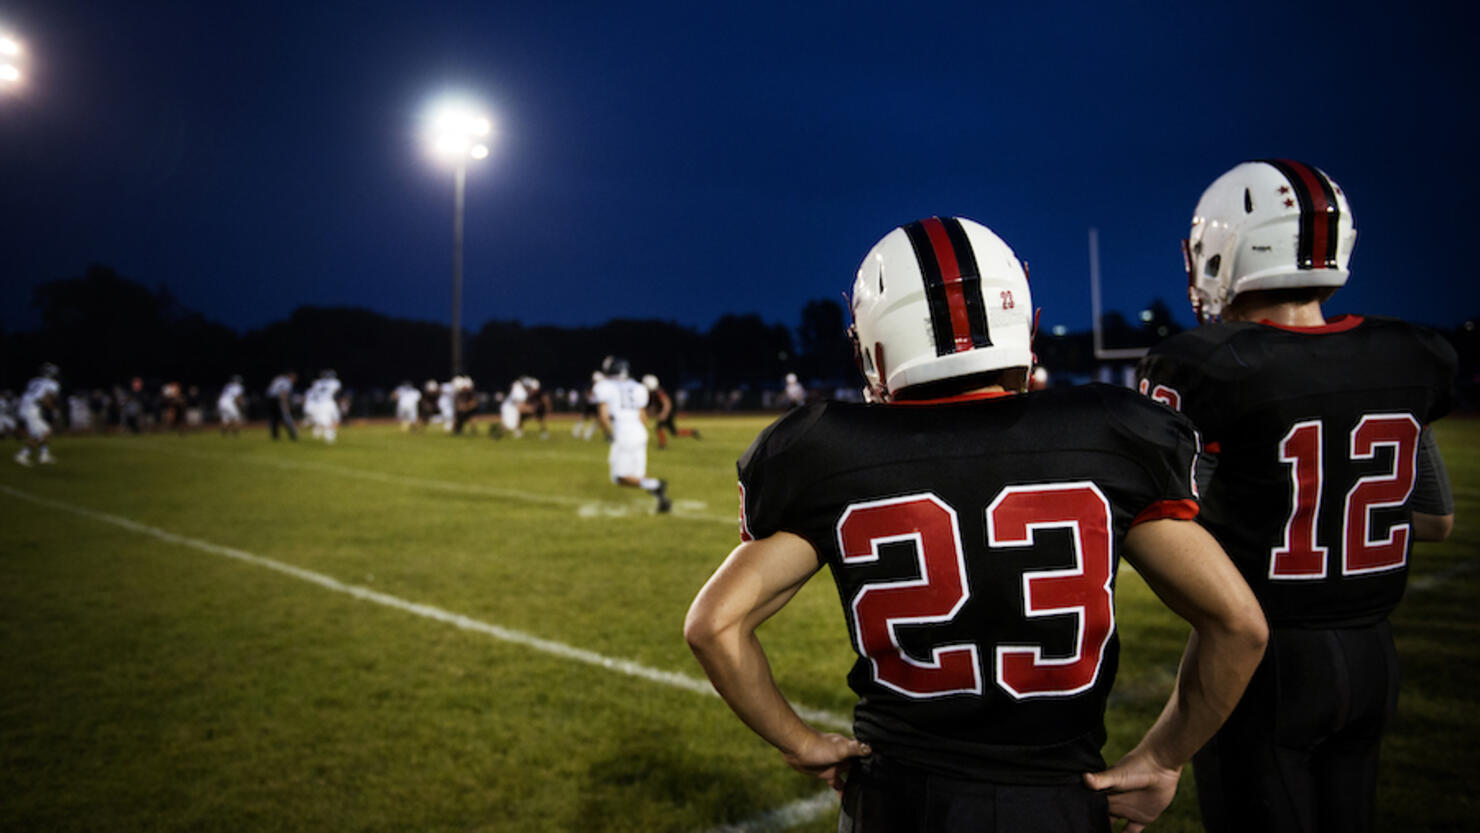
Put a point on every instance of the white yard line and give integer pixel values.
(584, 506)
(791, 815)
(632, 669)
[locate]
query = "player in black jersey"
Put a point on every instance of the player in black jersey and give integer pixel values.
(974, 532)
(1325, 475)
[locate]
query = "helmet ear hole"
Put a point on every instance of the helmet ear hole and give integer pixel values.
(1213, 265)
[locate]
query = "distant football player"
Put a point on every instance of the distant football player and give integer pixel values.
(40, 397)
(538, 404)
(447, 404)
(464, 403)
(408, 404)
(8, 405)
(974, 532)
(321, 406)
(511, 410)
(662, 410)
(280, 405)
(620, 401)
(229, 405)
(1326, 473)
(586, 426)
(172, 406)
(796, 395)
(427, 410)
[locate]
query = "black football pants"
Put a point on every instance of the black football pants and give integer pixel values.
(1299, 754)
(884, 796)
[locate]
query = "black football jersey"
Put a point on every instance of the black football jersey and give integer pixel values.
(974, 545)
(1316, 432)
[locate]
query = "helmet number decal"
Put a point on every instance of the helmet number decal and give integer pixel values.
(1007, 302)
(937, 588)
(1300, 556)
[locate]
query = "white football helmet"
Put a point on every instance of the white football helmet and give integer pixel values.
(650, 382)
(938, 299)
(1268, 224)
(615, 367)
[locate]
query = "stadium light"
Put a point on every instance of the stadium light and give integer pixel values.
(458, 131)
(11, 53)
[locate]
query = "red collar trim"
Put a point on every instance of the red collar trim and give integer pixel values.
(1339, 324)
(964, 397)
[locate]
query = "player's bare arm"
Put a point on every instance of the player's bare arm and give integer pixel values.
(1189, 572)
(756, 580)
(1432, 501)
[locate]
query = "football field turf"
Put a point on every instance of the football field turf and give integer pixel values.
(427, 633)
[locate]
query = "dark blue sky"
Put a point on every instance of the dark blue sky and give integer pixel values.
(683, 160)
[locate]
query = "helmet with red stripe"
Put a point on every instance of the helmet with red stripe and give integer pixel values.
(938, 299)
(1268, 224)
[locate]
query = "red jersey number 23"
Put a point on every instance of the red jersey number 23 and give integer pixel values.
(938, 589)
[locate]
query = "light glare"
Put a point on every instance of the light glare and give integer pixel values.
(9, 73)
(454, 128)
(9, 46)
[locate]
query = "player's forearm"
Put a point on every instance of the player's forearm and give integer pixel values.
(1428, 527)
(1215, 669)
(737, 667)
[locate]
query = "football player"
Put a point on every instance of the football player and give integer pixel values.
(8, 424)
(974, 532)
(620, 401)
(408, 400)
(321, 406)
(585, 427)
(796, 394)
(660, 407)
(280, 404)
(40, 397)
(511, 411)
(229, 406)
(1326, 473)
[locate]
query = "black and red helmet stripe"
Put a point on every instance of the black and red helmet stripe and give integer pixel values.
(1320, 213)
(953, 287)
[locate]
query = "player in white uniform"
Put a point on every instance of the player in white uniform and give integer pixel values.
(7, 414)
(511, 412)
(408, 403)
(621, 401)
(42, 392)
(229, 406)
(796, 395)
(586, 426)
(446, 395)
(321, 406)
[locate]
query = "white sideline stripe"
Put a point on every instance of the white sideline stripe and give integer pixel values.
(406, 480)
(1429, 582)
(786, 817)
(559, 649)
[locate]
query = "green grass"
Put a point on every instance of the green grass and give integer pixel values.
(150, 685)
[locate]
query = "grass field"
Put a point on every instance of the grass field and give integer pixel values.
(405, 632)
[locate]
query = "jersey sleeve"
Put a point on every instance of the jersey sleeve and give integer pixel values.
(1446, 364)
(1169, 451)
(771, 477)
(1174, 374)
(1431, 492)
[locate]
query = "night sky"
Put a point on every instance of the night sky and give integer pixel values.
(685, 160)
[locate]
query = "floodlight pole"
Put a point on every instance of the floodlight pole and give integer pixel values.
(459, 183)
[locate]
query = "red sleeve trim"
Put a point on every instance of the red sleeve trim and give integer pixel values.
(1180, 510)
(1213, 447)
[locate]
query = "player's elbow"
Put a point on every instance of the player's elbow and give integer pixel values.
(1428, 527)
